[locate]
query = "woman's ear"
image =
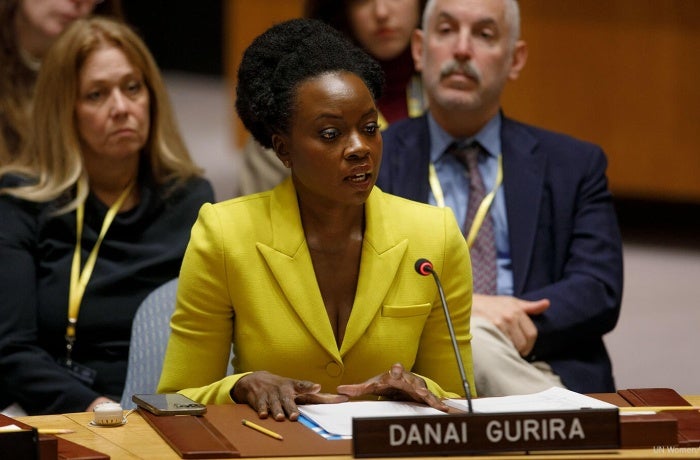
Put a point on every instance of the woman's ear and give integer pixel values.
(279, 145)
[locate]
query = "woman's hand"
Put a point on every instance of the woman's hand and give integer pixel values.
(271, 394)
(397, 384)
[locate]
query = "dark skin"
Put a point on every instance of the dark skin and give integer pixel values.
(335, 253)
(334, 150)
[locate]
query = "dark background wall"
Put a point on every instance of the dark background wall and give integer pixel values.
(183, 36)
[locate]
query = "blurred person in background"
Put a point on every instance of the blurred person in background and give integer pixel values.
(27, 30)
(534, 206)
(97, 211)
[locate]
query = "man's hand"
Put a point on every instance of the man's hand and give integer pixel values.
(511, 316)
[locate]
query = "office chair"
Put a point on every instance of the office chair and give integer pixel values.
(149, 338)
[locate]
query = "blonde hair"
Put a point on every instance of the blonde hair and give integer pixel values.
(52, 158)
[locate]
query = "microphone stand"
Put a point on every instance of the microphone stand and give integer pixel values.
(462, 374)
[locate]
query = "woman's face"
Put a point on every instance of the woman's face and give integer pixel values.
(383, 27)
(48, 18)
(333, 147)
(112, 109)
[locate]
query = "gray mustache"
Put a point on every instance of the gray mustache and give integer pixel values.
(464, 67)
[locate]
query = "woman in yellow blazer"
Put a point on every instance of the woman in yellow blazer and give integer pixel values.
(313, 282)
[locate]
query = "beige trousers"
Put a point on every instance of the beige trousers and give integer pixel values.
(499, 370)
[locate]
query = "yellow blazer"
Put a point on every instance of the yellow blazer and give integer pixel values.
(247, 280)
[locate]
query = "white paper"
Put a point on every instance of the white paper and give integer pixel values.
(337, 418)
(10, 428)
(549, 400)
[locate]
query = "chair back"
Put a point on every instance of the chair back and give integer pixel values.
(150, 332)
(149, 338)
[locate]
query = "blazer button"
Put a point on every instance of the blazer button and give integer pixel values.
(333, 369)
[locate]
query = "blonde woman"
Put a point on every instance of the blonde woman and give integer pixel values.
(96, 213)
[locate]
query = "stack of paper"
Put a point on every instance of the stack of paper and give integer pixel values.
(549, 400)
(334, 421)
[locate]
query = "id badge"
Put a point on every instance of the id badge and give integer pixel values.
(82, 373)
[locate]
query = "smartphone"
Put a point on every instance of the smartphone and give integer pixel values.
(169, 404)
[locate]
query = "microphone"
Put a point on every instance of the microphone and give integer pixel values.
(424, 267)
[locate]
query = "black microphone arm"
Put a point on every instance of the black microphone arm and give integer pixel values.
(425, 267)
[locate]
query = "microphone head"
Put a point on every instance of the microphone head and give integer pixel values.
(423, 267)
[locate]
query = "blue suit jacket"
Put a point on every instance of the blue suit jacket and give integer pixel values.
(565, 242)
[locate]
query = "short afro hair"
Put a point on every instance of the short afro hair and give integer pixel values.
(286, 55)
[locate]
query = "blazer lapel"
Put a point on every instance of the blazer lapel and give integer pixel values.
(381, 257)
(289, 260)
(523, 172)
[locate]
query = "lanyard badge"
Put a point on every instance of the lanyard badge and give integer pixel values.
(80, 278)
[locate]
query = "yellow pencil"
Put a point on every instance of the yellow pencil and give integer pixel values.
(656, 408)
(55, 431)
(261, 429)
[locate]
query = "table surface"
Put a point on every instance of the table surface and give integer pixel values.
(137, 440)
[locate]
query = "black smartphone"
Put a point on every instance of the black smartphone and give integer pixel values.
(169, 404)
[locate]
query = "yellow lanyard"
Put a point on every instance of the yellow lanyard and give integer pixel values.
(414, 97)
(414, 101)
(436, 188)
(79, 278)
(383, 124)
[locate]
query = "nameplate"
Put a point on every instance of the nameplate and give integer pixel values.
(459, 434)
